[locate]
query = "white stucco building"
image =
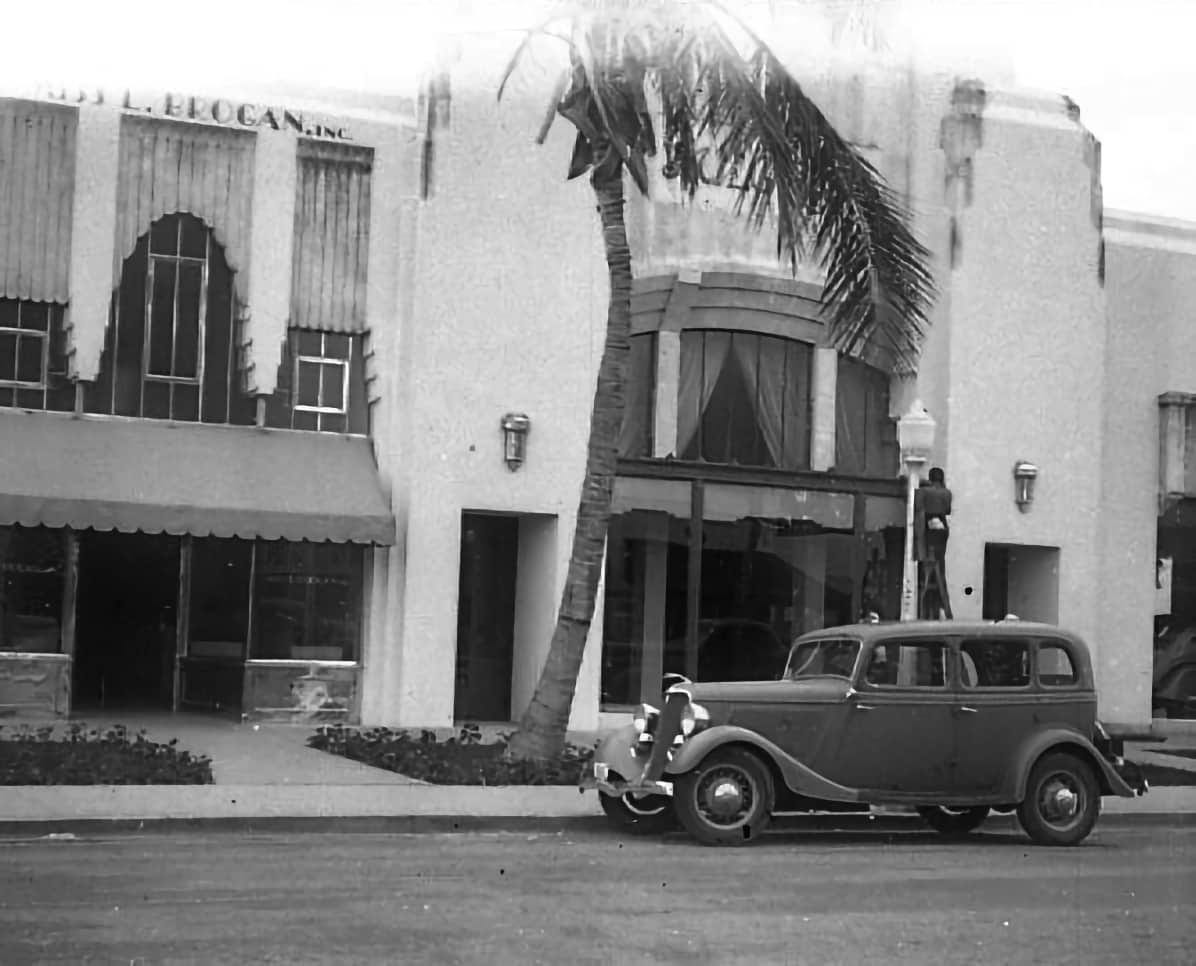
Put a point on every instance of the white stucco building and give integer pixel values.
(396, 277)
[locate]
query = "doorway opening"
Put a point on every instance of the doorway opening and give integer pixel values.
(486, 617)
(1021, 580)
(126, 621)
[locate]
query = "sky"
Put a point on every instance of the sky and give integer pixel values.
(1129, 64)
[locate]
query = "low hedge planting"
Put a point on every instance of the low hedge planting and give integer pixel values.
(78, 756)
(462, 759)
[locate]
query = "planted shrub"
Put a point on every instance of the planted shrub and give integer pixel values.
(36, 756)
(463, 759)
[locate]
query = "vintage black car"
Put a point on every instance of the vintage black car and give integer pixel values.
(953, 718)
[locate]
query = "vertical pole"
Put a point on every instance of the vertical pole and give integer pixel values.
(859, 532)
(182, 620)
(909, 572)
(693, 590)
(70, 594)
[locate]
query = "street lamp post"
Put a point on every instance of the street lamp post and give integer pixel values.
(915, 437)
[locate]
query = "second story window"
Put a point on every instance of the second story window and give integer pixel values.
(177, 277)
(744, 398)
(32, 356)
(321, 384)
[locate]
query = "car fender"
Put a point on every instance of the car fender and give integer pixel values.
(800, 778)
(617, 751)
(1066, 739)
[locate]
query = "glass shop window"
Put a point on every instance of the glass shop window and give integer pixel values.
(220, 581)
(32, 568)
(307, 601)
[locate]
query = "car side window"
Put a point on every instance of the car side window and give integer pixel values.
(1055, 667)
(1001, 662)
(907, 664)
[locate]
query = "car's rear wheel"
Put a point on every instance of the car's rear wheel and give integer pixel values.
(645, 815)
(1062, 800)
(953, 822)
(727, 799)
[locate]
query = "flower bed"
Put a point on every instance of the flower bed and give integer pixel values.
(463, 759)
(38, 756)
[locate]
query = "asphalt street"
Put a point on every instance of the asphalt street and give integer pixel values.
(1127, 895)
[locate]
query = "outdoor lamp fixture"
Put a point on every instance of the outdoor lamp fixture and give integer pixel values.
(515, 427)
(1024, 475)
(915, 438)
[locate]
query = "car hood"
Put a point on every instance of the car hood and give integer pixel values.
(813, 690)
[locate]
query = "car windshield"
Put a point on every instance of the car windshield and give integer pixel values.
(829, 658)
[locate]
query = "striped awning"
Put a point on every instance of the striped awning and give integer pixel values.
(37, 186)
(332, 236)
(189, 478)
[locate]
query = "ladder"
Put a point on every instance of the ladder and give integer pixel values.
(934, 586)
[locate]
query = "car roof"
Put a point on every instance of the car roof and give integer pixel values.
(966, 628)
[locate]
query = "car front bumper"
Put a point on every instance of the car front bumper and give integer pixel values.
(600, 776)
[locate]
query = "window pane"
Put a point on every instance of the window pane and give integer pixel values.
(8, 355)
(920, 664)
(997, 663)
(9, 313)
(162, 319)
(186, 349)
(332, 396)
(219, 597)
(336, 345)
(1054, 666)
(155, 400)
(308, 390)
(308, 601)
(32, 564)
(30, 358)
(635, 439)
(184, 404)
(35, 316)
(195, 237)
(164, 236)
(644, 630)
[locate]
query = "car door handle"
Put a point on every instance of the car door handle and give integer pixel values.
(865, 707)
(965, 709)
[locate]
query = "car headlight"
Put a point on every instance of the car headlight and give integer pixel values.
(693, 718)
(645, 719)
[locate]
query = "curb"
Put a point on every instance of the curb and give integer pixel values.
(527, 824)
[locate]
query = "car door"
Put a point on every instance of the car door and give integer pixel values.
(898, 733)
(995, 710)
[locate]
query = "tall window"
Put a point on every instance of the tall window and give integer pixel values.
(171, 351)
(32, 565)
(321, 384)
(865, 436)
(33, 357)
(744, 398)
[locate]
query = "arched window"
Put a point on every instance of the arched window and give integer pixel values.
(171, 350)
(744, 398)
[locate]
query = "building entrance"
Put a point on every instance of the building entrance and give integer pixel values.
(126, 620)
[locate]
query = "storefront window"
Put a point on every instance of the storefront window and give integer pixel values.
(773, 563)
(307, 601)
(32, 565)
(219, 606)
(646, 581)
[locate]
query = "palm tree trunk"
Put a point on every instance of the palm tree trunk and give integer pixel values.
(541, 731)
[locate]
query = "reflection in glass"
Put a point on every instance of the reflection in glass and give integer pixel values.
(219, 597)
(32, 564)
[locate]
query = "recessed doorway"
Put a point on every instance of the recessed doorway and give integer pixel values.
(126, 621)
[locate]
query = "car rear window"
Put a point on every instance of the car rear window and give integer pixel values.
(1055, 667)
(998, 662)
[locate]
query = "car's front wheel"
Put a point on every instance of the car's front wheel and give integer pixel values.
(953, 822)
(727, 799)
(1062, 800)
(645, 815)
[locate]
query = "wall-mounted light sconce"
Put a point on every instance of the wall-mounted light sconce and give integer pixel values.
(515, 428)
(1024, 475)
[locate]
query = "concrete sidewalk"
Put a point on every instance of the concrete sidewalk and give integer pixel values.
(266, 777)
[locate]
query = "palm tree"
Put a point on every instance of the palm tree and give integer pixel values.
(789, 167)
